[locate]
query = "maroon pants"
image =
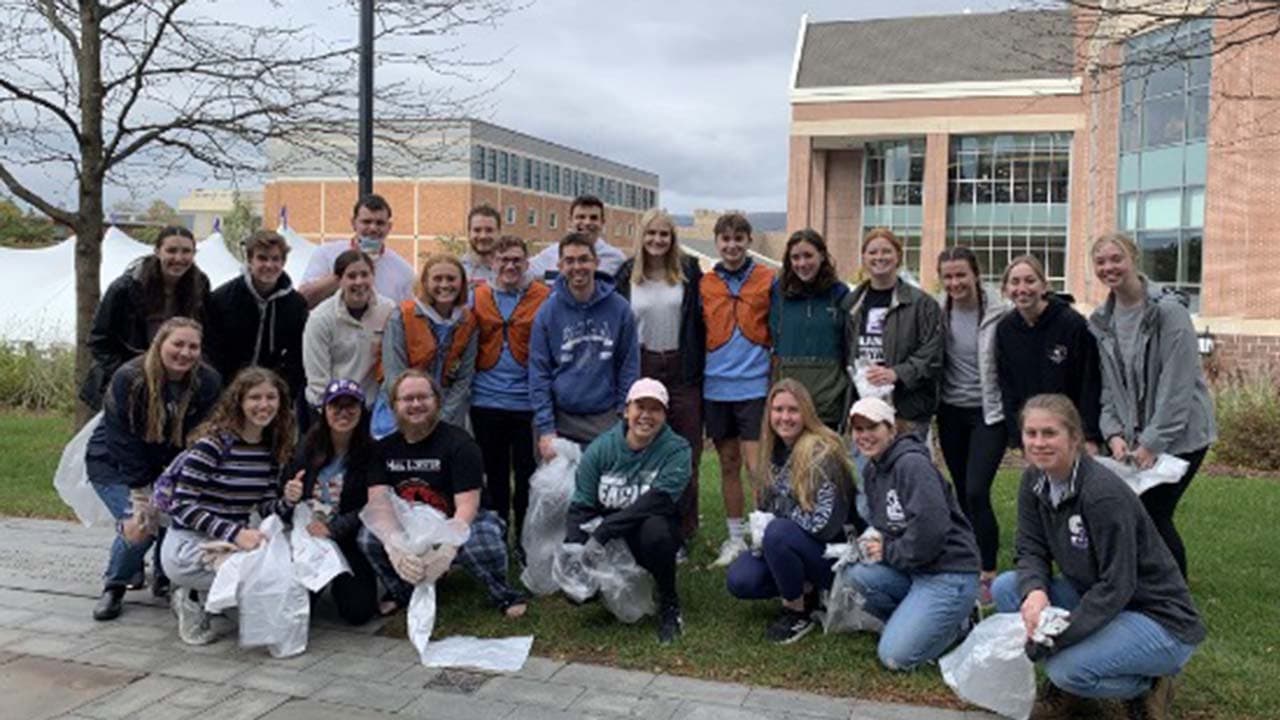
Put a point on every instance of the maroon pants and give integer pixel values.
(685, 417)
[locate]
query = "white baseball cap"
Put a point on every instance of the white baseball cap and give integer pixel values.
(873, 409)
(648, 388)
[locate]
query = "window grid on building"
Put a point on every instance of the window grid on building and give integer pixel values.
(515, 170)
(1008, 196)
(893, 193)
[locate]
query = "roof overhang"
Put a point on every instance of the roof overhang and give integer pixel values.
(1040, 87)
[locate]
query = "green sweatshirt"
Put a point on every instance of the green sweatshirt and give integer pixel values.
(611, 475)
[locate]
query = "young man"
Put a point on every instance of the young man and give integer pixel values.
(632, 477)
(370, 223)
(735, 305)
(500, 411)
(258, 318)
(436, 463)
(584, 353)
(483, 225)
(586, 216)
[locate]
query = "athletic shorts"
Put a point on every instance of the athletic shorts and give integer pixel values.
(730, 419)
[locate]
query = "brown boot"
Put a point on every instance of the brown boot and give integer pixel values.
(1054, 703)
(1154, 704)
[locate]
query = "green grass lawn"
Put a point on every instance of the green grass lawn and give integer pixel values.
(1235, 578)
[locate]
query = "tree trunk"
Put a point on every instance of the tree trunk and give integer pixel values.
(88, 224)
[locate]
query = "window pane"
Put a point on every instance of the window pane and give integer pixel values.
(1160, 255)
(1193, 208)
(1192, 246)
(1198, 115)
(1129, 212)
(1130, 128)
(1163, 121)
(1162, 209)
(1168, 76)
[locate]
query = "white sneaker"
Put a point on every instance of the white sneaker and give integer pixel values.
(193, 621)
(729, 551)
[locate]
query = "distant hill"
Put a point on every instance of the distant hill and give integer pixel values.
(762, 221)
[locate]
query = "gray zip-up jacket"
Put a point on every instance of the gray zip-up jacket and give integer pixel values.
(913, 346)
(1163, 403)
(995, 308)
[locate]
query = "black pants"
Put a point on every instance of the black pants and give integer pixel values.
(506, 441)
(1162, 500)
(356, 595)
(973, 451)
(653, 543)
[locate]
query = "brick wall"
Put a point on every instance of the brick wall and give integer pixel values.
(1244, 354)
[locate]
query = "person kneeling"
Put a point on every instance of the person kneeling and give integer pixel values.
(919, 569)
(809, 491)
(632, 477)
(433, 462)
(1132, 623)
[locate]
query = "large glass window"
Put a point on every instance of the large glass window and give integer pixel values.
(893, 193)
(1163, 154)
(1008, 196)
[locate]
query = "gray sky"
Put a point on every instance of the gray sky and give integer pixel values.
(695, 91)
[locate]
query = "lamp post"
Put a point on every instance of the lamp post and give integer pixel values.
(364, 160)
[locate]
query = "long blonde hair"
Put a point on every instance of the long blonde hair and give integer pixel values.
(817, 444)
(670, 261)
(154, 378)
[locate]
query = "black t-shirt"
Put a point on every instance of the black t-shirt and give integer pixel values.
(875, 306)
(432, 471)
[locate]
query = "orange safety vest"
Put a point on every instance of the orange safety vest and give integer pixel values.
(420, 341)
(748, 310)
(513, 332)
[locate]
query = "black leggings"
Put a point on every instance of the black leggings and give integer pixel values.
(653, 543)
(506, 441)
(973, 451)
(1162, 500)
(356, 594)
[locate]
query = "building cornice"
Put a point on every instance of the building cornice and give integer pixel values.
(938, 91)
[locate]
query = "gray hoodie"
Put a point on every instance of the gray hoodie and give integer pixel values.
(1163, 403)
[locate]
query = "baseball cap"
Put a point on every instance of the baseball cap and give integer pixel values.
(343, 388)
(648, 388)
(873, 409)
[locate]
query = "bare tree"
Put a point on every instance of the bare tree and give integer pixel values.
(132, 91)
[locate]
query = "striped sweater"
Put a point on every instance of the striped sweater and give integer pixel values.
(222, 480)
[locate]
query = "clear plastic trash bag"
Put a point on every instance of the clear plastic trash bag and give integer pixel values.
(990, 668)
(1168, 469)
(846, 608)
(316, 561)
(550, 490)
(71, 480)
(571, 575)
(858, 373)
(625, 588)
(414, 529)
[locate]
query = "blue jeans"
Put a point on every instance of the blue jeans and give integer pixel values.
(126, 559)
(923, 613)
(791, 558)
(1118, 661)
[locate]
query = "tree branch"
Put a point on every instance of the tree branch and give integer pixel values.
(50, 11)
(22, 192)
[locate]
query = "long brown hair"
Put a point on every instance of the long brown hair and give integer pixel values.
(960, 252)
(792, 285)
(670, 261)
(817, 444)
(153, 381)
(188, 294)
(228, 414)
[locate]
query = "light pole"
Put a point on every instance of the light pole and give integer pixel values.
(364, 160)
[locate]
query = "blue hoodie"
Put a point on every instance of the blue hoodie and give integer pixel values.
(583, 357)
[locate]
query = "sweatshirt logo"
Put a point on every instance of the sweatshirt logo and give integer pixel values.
(596, 335)
(616, 492)
(1079, 538)
(1058, 354)
(893, 507)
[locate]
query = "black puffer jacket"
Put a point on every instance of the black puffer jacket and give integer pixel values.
(693, 330)
(244, 329)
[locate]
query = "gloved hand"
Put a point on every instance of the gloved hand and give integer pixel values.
(438, 561)
(410, 568)
(215, 552)
(143, 521)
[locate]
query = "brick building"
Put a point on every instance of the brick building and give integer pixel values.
(529, 180)
(1014, 132)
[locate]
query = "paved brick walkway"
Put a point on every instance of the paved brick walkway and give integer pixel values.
(56, 662)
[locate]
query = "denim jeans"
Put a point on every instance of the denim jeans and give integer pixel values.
(924, 613)
(126, 559)
(1118, 661)
(791, 558)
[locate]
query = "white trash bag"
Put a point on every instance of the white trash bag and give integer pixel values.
(758, 521)
(858, 372)
(1168, 469)
(71, 480)
(316, 561)
(550, 490)
(414, 529)
(991, 669)
(846, 608)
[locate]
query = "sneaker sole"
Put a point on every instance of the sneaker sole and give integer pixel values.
(797, 636)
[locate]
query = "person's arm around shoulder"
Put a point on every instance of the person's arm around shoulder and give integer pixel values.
(924, 364)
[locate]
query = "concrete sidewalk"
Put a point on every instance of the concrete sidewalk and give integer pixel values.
(56, 662)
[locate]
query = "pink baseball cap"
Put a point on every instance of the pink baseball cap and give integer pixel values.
(648, 388)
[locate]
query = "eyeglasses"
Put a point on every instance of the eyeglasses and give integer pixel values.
(511, 260)
(415, 399)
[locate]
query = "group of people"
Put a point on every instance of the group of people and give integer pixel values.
(446, 387)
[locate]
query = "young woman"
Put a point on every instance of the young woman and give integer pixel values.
(1044, 347)
(661, 283)
(971, 427)
(896, 329)
(1132, 625)
(334, 457)
(344, 333)
(165, 284)
(919, 571)
(1154, 396)
(232, 469)
(809, 490)
(435, 332)
(807, 326)
(151, 405)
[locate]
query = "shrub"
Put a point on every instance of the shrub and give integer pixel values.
(1248, 412)
(37, 378)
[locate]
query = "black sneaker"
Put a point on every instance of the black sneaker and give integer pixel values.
(110, 604)
(790, 626)
(137, 582)
(670, 624)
